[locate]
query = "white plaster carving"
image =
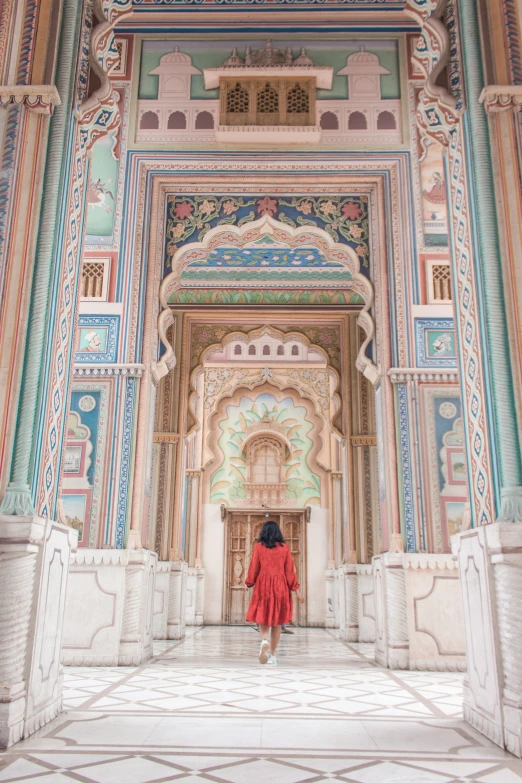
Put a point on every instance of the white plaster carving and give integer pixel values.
(330, 619)
(34, 564)
(392, 647)
(195, 596)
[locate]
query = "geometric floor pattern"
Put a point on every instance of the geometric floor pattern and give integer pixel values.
(204, 710)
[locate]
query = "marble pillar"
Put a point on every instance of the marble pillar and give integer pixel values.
(34, 565)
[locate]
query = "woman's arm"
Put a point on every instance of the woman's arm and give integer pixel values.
(291, 578)
(253, 571)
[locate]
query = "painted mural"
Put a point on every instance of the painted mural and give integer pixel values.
(447, 487)
(434, 197)
(302, 484)
(101, 192)
(178, 102)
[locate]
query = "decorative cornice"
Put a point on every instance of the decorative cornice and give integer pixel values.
(501, 97)
(193, 473)
(166, 437)
(101, 370)
(433, 375)
(364, 440)
(40, 98)
(100, 557)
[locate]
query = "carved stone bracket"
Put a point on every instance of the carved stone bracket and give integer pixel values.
(40, 98)
(364, 440)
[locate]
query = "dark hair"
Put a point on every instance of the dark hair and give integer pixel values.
(270, 535)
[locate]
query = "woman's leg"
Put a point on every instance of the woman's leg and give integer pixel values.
(263, 632)
(275, 635)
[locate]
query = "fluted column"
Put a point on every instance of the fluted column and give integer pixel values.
(19, 498)
(506, 425)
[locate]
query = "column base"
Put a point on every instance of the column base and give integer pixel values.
(490, 564)
(392, 648)
(161, 599)
(176, 619)
(109, 608)
(195, 596)
(34, 565)
(365, 603)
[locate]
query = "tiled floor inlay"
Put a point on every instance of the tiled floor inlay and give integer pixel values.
(204, 710)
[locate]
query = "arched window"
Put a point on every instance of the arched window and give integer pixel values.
(329, 121)
(204, 121)
(149, 121)
(177, 121)
(265, 461)
(295, 350)
(237, 350)
(357, 121)
(266, 350)
(386, 121)
(280, 350)
(251, 350)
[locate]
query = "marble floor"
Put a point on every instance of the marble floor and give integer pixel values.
(204, 710)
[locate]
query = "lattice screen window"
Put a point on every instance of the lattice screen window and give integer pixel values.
(268, 100)
(298, 100)
(256, 101)
(94, 280)
(238, 100)
(439, 282)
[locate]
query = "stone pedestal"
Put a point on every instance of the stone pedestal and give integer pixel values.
(34, 564)
(391, 627)
(195, 596)
(161, 599)
(434, 611)
(490, 566)
(176, 617)
(109, 608)
(365, 603)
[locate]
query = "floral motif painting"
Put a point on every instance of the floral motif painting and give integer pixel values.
(303, 486)
(344, 218)
(101, 192)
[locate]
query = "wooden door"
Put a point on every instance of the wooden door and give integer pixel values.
(243, 528)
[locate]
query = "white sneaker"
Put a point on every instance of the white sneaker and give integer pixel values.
(264, 651)
(272, 660)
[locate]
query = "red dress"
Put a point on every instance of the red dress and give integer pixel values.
(272, 572)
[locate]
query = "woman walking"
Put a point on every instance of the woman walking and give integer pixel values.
(273, 574)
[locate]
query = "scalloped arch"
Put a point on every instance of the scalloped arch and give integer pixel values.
(248, 233)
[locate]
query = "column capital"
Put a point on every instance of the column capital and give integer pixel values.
(501, 97)
(40, 98)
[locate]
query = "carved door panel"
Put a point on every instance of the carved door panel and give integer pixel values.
(242, 532)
